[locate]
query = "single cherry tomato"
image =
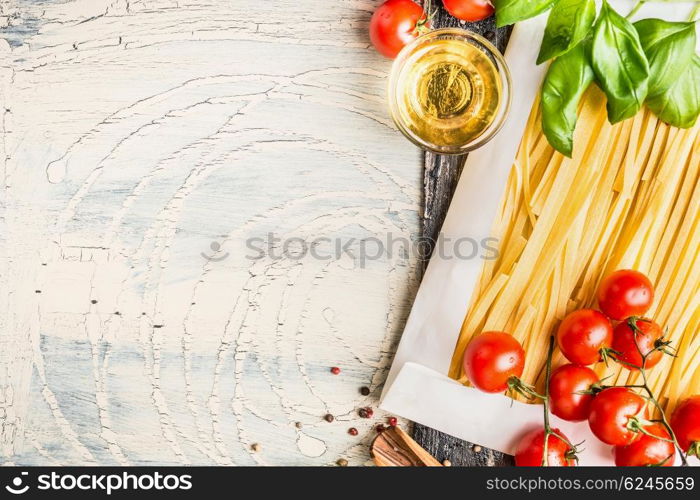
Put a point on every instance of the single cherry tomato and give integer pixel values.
(685, 423)
(469, 10)
(395, 24)
(530, 450)
(583, 334)
(565, 387)
(648, 335)
(611, 412)
(491, 359)
(647, 450)
(625, 293)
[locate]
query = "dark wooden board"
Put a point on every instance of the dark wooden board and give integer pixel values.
(440, 179)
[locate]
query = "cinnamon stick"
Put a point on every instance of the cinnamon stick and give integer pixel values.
(395, 448)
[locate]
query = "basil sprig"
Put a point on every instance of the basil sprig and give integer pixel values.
(511, 11)
(567, 79)
(680, 104)
(567, 24)
(651, 62)
(619, 63)
(669, 47)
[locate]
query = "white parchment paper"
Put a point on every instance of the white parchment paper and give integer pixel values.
(418, 387)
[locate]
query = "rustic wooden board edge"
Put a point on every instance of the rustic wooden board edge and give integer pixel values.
(440, 180)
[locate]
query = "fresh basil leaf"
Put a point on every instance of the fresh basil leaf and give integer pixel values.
(619, 63)
(512, 11)
(567, 79)
(669, 48)
(680, 105)
(568, 24)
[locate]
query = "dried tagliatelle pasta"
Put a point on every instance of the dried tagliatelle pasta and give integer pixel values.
(628, 198)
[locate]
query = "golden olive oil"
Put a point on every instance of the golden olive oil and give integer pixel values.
(448, 93)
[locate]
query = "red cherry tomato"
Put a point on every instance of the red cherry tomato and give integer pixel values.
(491, 359)
(648, 333)
(625, 293)
(647, 450)
(583, 334)
(469, 10)
(394, 25)
(685, 423)
(530, 450)
(610, 414)
(565, 386)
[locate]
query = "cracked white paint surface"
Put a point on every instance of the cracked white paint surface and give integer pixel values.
(135, 134)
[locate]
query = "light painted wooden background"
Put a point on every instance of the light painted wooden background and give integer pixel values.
(136, 134)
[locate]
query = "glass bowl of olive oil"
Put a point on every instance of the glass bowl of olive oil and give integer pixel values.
(449, 91)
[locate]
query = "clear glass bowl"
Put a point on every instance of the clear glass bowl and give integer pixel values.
(407, 91)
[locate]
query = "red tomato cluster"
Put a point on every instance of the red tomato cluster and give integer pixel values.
(494, 361)
(616, 415)
(396, 23)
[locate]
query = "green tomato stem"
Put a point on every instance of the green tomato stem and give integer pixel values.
(548, 431)
(650, 394)
(547, 426)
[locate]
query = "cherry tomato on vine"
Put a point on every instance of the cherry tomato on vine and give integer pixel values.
(395, 24)
(612, 415)
(530, 450)
(469, 10)
(648, 450)
(565, 387)
(627, 343)
(583, 334)
(625, 293)
(491, 359)
(685, 423)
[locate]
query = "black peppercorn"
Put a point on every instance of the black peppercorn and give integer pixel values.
(366, 412)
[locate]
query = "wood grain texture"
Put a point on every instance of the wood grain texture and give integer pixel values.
(440, 180)
(394, 448)
(143, 143)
